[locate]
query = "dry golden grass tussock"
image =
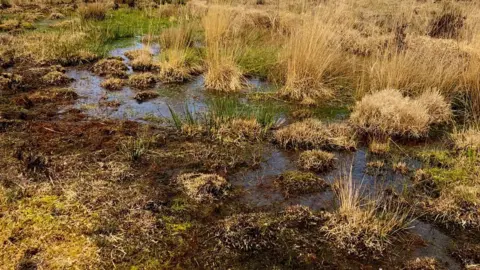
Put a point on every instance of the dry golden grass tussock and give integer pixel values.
(389, 113)
(143, 80)
(379, 147)
(110, 67)
(400, 167)
(113, 84)
(437, 106)
(364, 225)
(424, 66)
(56, 78)
(134, 54)
(313, 58)
(297, 182)
(316, 160)
(468, 138)
(176, 66)
(238, 130)
(146, 95)
(181, 36)
(143, 62)
(222, 73)
(51, 95)
(203, 187)
(312, 133)
(93, 11)
(459, 206)
(174, 69)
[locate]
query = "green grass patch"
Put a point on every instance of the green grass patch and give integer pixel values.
(258, 60)
(436, 158)
(122, 24)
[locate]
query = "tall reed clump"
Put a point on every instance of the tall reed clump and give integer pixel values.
(178, 61)
(312, 59)
(222, 73)
(364, 224)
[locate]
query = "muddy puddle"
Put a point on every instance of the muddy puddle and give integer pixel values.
(259, 192)
(257, 185)
(98, 102)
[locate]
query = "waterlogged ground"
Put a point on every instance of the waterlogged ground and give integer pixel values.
(256, 185)
(91, 145)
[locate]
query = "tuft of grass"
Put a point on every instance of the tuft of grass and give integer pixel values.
(425, 64)
(135, 148)
(450, 180)
(179, 61)
(313, 134)
(312, 60)
(67, 47)
(203, 187)
(110, 67)
(56, 78)
(113, 84)
(238, 130)
(467, 139)
(296, 182)
(379, 147)
(316, 160)
(423, 263)
(179, 36)
(178, 65)
(145, 95)
(222, 73)
(143, 80)
(364, 225)
(92, 11)
(389, 113)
